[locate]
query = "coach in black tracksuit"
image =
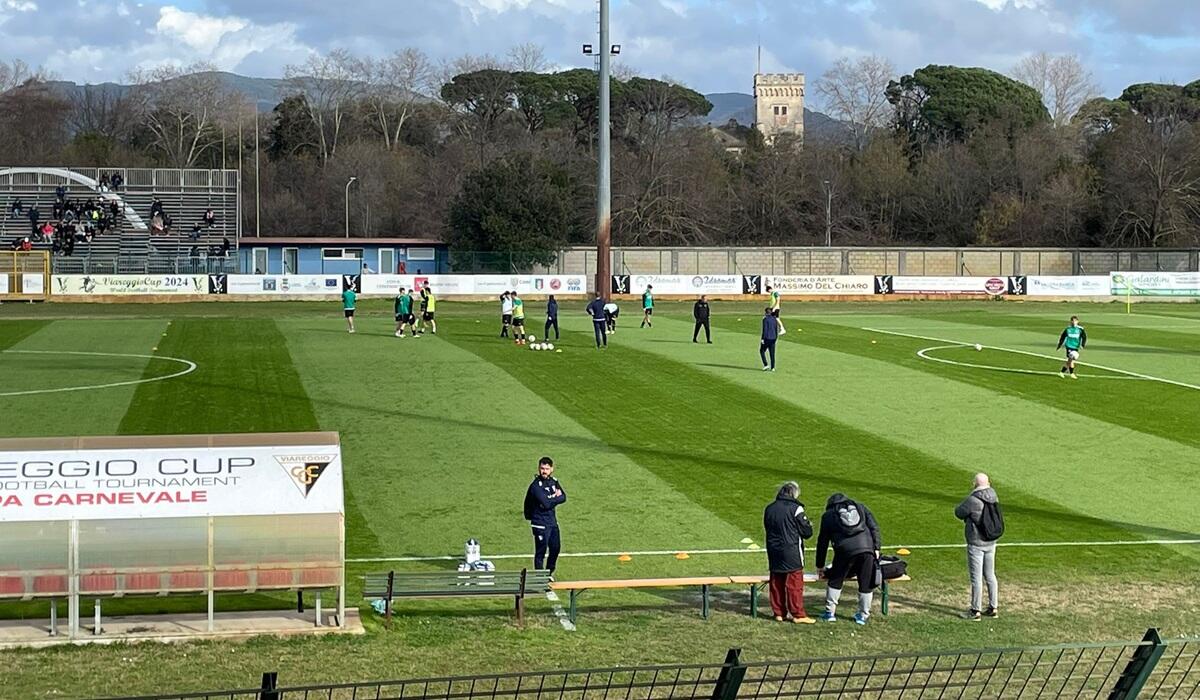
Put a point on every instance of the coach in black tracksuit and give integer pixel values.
(700, 313)
(541, 498)
(851, 528)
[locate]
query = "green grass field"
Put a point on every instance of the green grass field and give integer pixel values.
(663, 445)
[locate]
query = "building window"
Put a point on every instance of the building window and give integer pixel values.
(342, 253)
(783, 110)
(776, 110)
(421, 254)
(331, 253)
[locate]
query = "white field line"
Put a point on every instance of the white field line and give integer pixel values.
(561, 614)
(189, 368)
(760, 552)
(1041, 355)
(922, 354)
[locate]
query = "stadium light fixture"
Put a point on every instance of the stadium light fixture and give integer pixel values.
(587, 50)
(616, 49)
(351, 181)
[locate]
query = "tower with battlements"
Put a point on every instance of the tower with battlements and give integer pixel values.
(779, 104)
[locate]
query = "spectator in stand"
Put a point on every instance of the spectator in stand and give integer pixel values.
(35, 218)
(168, 222)
(114, 214)
(210, 219)
(156, 207)
(56, 210)
(47, 232)
(105, 183)
(26, 244)
(16, 207)
(195, 232)
(195, 253)
(60, 193)
(118, 182)
(225, 246)
(156, 224)
(16, 244)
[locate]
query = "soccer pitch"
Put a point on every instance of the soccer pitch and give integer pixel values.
(663, 446)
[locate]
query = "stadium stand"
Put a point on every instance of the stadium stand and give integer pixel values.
(133, 243)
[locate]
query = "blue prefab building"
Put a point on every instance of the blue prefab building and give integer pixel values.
(341, 256)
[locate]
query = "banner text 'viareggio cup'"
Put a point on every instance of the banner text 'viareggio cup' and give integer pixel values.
(97, 285)
(169, 482)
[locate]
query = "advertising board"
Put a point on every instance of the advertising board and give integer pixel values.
(686, 284)
(800, 285)
(1067, 285)
(1155, 284)
(128, 284)
(291, 285)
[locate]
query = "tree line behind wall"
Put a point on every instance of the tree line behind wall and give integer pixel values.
(499, 154)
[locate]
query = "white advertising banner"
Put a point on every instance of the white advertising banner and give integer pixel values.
(1155, 284)
(385, 284)
(948, 285)
(169, 482)
(129, 284)
(446, 285)
(798, 285)
(1067, 286)
(294, 285)
(33, 283)
(3, 283)
(480, 285)
(687, 284)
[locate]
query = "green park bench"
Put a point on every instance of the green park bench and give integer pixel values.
(390, 585)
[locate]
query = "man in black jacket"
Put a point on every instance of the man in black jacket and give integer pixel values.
(541, 498)
(787, 527)
(700, 312)
(851, 529)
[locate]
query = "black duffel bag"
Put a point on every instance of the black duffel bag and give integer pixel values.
(892, 567)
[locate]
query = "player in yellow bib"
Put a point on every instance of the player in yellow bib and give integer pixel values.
(775, 309)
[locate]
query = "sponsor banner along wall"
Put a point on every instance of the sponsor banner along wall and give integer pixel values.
(684, 284)
(1155, 284)
(3, 283)
(902, 284)
(128, 284)
(478, 285)
(799, 285)
(292, 285)
(1065, 286)
(33, 283)
(169, 482)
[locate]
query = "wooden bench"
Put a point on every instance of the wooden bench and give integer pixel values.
(758, 582)
(387, 586)
(576, 588)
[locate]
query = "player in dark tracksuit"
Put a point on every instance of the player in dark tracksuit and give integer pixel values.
(770, 335)
(700, 313)
(851, 529)
(543, 496)
(599, 324)
(551, 318)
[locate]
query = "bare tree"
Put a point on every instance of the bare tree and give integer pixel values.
(103, 111)
(179, 107)
(855, 92)
(528, 57)
(330, 85)
(1063, 82)
(395, 86)
(18, 73)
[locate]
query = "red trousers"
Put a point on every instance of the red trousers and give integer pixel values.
(787, 594)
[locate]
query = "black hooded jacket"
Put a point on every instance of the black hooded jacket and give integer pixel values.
(787, 527)
(849, 526)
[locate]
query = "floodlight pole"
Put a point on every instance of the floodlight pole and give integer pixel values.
(604, 176)
(828, 215)
(348, 183)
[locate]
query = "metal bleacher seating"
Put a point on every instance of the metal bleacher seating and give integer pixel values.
(132, 247)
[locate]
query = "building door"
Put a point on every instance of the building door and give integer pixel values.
(387, 261)
(260, 261)
(291, 261)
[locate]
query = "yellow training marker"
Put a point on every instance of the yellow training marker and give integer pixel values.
(624, 558)
(746, 540)
(903, 552)
(752, 546)
(682, 555)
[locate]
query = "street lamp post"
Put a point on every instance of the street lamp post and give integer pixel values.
(828, 215)
(349, 182)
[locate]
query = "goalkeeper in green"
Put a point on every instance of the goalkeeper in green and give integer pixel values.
(1075, 340)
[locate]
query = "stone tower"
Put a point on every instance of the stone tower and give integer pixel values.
(779, 104)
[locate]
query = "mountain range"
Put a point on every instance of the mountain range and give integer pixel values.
(265, 92)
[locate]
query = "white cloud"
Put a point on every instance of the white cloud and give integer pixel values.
(20, 5)
(200, 32)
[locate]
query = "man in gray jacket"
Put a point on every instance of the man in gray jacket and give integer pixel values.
(981, 552)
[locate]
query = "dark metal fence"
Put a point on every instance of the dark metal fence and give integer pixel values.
(150, 264)
(1151, 668)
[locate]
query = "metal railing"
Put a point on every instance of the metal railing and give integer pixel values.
(148, 264)
(1151, 668)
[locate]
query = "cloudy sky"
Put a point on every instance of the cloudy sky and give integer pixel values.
(707, 44)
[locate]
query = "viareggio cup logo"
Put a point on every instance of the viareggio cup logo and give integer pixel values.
(305, 470)
(620, 284)
(1016, 285)
(751, 284)
(883, 284)
(352, 282)
(218, 284)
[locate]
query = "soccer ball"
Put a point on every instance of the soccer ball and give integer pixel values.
(550, 346)
(532, 338)
(533, 346)
(978, 346)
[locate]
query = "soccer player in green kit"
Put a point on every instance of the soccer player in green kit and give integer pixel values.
(348, 303)
(774, 294)
(1075, 340)
(647, 306)
(518, 319)
(404, 317)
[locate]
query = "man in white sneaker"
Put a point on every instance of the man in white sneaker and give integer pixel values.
(983, 524)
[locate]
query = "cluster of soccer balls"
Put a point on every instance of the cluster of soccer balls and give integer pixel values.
(534, 345)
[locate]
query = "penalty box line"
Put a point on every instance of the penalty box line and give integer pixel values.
(964, 343)
(760, 551)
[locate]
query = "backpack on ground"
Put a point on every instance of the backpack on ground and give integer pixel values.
(991, 522)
